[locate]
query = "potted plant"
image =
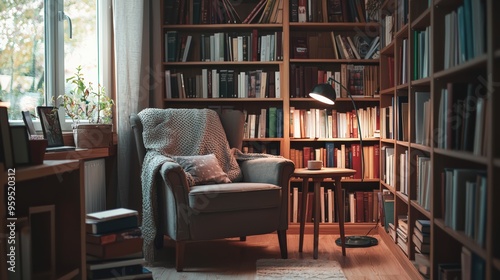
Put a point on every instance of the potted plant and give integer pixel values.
(91, 112)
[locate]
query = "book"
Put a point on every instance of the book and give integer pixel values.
(115, 249)
(423, 237)
(112, 214)
(113, 236)
(423, 226)
(424, 248)
(99, 227)
(109, 269)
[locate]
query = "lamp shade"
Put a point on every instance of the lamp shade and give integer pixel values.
(323, 93)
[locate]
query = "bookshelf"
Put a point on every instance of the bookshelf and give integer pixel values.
(316, 34)
(55, 189)
(451, 162)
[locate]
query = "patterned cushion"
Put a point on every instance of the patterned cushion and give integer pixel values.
(202, 170)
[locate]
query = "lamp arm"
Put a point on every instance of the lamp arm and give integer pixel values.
(330, 81)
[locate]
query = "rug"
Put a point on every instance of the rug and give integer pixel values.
(298, 269)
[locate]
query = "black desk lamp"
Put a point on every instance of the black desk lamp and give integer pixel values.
(326, 94)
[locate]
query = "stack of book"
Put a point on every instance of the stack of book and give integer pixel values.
(421, 239)
(402, 233)
(114, 245)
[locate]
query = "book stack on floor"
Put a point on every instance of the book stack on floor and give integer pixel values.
(421, 239)
(114, 245)
(402, 233)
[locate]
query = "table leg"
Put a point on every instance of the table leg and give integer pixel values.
(317, 217)
(341, 214)
(303, 212)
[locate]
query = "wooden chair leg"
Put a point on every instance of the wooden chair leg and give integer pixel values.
(180, 246)
(282, 242)
(243, 238)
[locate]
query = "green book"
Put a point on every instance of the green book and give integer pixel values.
(272, 122)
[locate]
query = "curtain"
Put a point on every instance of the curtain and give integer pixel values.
(137, 81)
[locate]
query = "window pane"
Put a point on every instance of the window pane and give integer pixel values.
(22, 57)
(82, 49)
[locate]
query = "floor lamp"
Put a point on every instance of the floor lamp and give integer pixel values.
(325, 93)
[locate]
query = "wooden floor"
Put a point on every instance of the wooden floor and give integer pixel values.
(235, 259)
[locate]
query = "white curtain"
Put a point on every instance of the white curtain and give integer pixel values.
(136, 67)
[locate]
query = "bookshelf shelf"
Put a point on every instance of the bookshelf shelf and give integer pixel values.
(210, 100)
(388, 50)
(348, 26)
(403, 86)
(422, 21)
(328, 61)
(387, 141)
(367, 180)
(402, 33)
(402, 196)
(421, 82)
(356, 99)
(389, 187)
(387, 91)
(462, 238)
(468, 156)
(220, 63)
(463, 71)
(262, 139)
(405, 144)
(420, 147)
(333, 139)
(421, 209)
(220, 27)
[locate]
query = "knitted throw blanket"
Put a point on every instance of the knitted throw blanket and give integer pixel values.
(178, 132)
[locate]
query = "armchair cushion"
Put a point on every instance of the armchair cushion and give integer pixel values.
(202, 169)
(234, 197)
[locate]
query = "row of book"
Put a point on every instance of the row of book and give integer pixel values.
(114, 245)
(317, 123)
(465, 200)
(224, 46)
(267, 124)
(360, 206)
(421, 54)
(461, 118)
(360, 80)
(464, 31)
(220, 12)
(315, 45)
(330, 11)
(342, 156)
(223, 83)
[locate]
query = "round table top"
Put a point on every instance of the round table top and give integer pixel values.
(324, 172)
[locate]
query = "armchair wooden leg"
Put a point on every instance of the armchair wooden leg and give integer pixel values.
(243, 238)
(179, 255)
(282, 242)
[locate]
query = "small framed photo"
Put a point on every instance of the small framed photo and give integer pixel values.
(49, 118)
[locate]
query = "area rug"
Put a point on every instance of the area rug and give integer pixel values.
(298, 269)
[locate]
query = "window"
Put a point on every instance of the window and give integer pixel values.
(41, 44)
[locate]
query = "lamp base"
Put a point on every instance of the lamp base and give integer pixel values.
(357, 241)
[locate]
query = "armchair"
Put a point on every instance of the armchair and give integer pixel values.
(180, 203)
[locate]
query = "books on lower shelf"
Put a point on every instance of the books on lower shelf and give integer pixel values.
(114, 245)
(360, 207)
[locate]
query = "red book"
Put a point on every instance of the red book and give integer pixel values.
(356, 160)
(307, 154)
(255, 45)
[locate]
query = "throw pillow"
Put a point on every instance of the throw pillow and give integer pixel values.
(202, 169)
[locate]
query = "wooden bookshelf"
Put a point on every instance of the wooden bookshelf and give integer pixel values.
(477, 70)
(319, 40)
(58, 184)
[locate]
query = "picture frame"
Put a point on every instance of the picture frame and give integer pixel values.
(28, 122)
(20, 145)
(6, 155)
(51, 126)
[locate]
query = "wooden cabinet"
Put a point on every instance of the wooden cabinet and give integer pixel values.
(56, 185)
(317, 34)
(442, 64)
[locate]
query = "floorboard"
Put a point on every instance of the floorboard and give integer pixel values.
(235, 259)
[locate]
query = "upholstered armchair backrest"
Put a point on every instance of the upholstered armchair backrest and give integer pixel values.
(232, 120)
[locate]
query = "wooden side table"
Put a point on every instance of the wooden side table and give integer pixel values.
(317, 177)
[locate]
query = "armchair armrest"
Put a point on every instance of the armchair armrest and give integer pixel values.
(172, 194)
(267, 170)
